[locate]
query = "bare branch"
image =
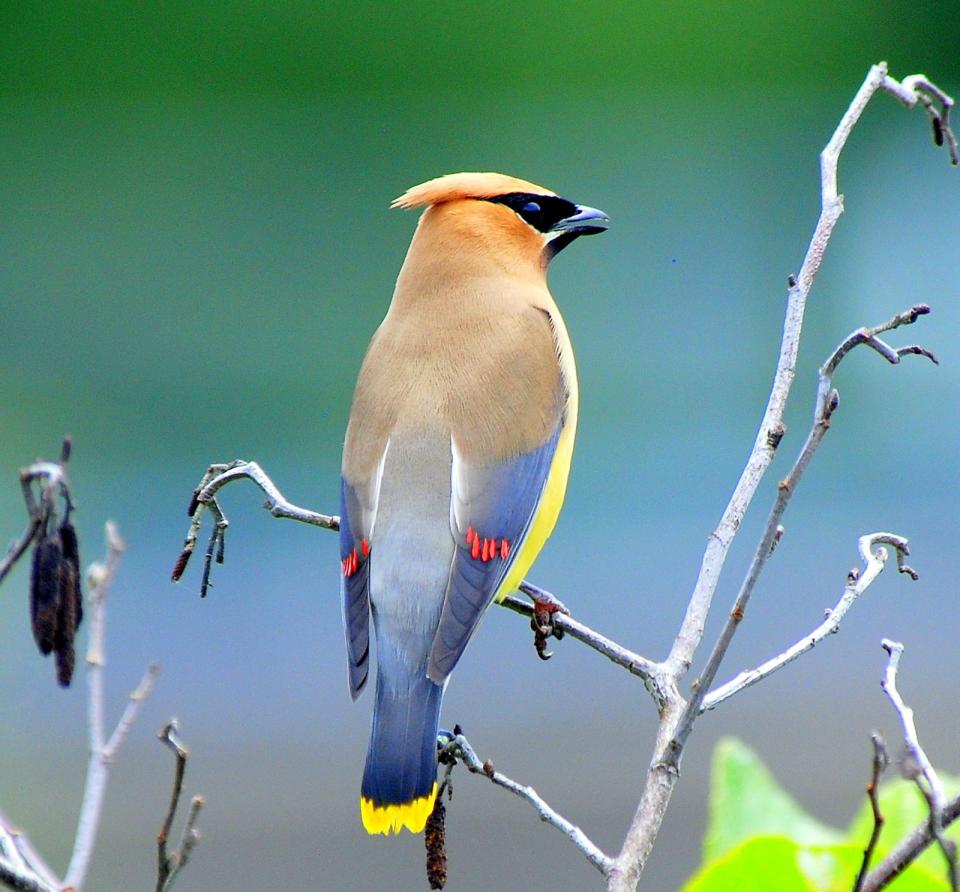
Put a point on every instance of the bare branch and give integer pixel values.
(909, 849)
(170, 864)
(874, 559)
(459, 748)
(827, 402)
(102, 752)
(637, 665)
(21, 867)
(880, 762)
(20, 861)
(868, 336)
(662, 679)
(677, 716)
(917, 765)
(918, 88)
(21, 881)
(52, 478)
(204, 496)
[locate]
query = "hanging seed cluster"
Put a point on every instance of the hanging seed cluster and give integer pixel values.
(56, 599)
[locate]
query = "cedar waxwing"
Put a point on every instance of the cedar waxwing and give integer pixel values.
(456, 458)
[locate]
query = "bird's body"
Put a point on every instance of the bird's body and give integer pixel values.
(456, 458)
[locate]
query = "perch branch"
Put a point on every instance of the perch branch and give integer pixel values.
(677, 717)
(459, 748)
(874, 558)
(637, 665)
(219, 475)
(102, 752)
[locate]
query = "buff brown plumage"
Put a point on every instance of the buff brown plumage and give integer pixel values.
(456, 457)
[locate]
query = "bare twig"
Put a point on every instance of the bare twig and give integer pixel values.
(21, 868)
(637, 665)
(102, 751)
(909, 849)
(918, 88)
(51, 478)
(204, 496)
(874, 558)
(459, 748)
(18, 854)
(917, 765)
(677, 716)
(880, 762)
(169, 864)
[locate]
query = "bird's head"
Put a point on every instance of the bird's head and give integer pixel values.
(493, 217)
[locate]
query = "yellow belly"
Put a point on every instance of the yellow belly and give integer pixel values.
(545, 518)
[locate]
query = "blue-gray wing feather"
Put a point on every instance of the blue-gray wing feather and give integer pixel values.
(499, 502)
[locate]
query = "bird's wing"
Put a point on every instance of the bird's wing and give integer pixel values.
(495, 508)
(358, 510)
(355, 581)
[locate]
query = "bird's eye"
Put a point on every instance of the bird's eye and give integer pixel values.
(531, 207)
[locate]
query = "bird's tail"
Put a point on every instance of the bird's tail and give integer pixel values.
(400, 778)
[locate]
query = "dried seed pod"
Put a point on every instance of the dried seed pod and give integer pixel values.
(45, 592)
(434, 838)
(71, 555)
(66, 622)
(66, 659)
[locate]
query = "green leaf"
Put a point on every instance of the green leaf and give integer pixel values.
(746, 801)
(903, 808)
(774, 862)
(764, 863)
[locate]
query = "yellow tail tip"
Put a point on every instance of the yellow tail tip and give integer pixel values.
(387, 819)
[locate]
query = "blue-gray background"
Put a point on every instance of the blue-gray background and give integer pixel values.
(195, 247)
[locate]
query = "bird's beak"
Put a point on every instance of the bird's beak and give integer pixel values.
(586, 221)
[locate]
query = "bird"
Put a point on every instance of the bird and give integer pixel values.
(456, 458)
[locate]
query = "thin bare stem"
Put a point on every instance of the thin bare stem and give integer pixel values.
(169, 864)
(204, 496)
(18, 853)
(52, 478)
(21, 868)
(459, 748)
(676, 716)
(662, 679)
(918, 765)
(874, 559)
(132, 711)
(919, 88)
(880, 762)
(909, 849)
(102, 752)
(567, 625)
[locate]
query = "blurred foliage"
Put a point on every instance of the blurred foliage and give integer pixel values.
(324, 48)
(757, 832)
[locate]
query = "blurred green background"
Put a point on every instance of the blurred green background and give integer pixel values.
(195, 247)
